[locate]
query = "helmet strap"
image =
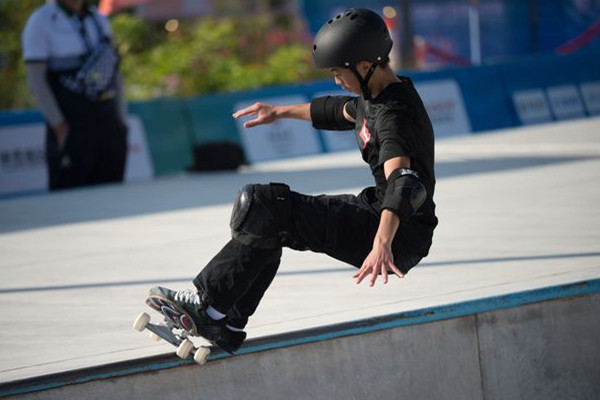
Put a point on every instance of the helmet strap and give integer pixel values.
(364, 82)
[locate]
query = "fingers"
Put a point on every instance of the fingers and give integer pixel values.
(375, 270)
(250, 110)
(384, 274)
(374, 275)
(253, 122)
(362, 273)
(359, 276)
(264, 114)
(396, 270)
(365, 270)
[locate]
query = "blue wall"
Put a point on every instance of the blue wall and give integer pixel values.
(174, 126)
(509, 28)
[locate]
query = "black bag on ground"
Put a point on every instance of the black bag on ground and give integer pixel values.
(217, 156)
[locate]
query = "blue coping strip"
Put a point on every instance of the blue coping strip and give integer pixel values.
(438, 313)
(359, 327)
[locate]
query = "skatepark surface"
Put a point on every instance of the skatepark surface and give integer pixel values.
(516, 255)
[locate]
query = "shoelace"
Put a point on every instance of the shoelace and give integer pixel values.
(188, 296)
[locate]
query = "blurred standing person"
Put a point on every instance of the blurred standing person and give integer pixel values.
(73, 72)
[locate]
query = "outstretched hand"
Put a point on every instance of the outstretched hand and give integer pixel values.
(379, 261)
(264, 113)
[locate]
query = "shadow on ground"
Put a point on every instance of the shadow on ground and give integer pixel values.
(425, 264)
(207, 189)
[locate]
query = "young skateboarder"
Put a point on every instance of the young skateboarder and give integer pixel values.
(386, 229)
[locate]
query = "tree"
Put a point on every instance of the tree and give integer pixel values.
(208, 55)
(14, 93)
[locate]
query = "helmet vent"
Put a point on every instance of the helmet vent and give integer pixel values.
(330, 21)
(354, 16)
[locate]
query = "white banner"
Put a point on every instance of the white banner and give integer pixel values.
(23, 161)
(445, 106)
(281, 139)
(591, 97)
(139, 163)
(532, 106)
(565, 102)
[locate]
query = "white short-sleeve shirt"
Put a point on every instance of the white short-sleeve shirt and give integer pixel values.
(54, 36)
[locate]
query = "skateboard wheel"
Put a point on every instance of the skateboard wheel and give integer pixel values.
(141, 322)
(201, 355)
(185, 348)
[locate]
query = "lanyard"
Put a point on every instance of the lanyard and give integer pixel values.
(78, 24)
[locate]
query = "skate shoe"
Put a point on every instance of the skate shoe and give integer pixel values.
(187, 311)
(230, 341)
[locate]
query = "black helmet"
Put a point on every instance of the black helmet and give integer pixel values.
(356, 34)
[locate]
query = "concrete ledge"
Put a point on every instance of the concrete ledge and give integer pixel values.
(506, 346)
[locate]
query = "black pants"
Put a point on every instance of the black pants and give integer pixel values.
(343, 227)
(96, 148)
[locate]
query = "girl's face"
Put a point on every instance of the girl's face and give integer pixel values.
(346, 79)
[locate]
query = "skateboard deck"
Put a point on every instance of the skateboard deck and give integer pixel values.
(175, 329)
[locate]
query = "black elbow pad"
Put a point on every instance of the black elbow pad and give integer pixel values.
(328, 113)
(405, 193)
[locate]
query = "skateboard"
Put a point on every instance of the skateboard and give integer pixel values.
(176, 329)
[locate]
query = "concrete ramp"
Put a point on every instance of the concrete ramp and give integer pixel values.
(538, 344)
(506, 305)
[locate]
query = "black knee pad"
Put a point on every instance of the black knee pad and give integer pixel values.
(261, 213)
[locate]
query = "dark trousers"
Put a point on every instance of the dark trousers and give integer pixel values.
(343, 227)
(89, 157)
(95, 151)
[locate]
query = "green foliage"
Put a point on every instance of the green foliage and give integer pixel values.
(202, 56)
(208, 56)
(14, 92)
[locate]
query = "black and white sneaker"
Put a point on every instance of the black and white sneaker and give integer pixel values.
(187, 310)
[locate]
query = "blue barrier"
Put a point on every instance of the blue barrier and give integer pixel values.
(536, 89)
(168, 134)
(550, 88)
(20, 117)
